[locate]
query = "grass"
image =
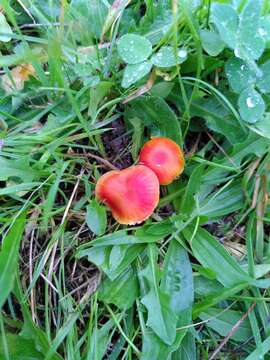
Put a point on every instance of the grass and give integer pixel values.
(192, 282)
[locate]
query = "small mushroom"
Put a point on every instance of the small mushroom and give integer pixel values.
(132, 194)
(164, 157)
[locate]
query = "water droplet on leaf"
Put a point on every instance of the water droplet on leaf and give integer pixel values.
(262, 31)
(182, 53)
(250, 102)
(237, 53)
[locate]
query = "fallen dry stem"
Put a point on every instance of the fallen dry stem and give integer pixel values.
(232, 331)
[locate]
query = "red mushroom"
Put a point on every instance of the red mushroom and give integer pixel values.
(164, 157)
(132, 194)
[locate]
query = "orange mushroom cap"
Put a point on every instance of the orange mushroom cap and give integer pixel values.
(164, 157)
(132, 194)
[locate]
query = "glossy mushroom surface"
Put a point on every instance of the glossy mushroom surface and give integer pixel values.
(132, 194)
(164, 157)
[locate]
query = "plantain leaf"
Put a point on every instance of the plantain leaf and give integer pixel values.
(157, 115)
(177, 279)
(212, 254)
(100, 340)
(113, 260)
(222, 322)
(177, 284)
(121, 291)
(161, 318)
(20, 348)
(96, 218)
(223, 202)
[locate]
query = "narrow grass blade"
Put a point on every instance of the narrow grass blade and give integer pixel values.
(9, 256)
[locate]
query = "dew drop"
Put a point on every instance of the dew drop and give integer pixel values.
(141, 67)
(242, 67)
(182, 53)
(262, 31)
(237, 52)
(250, 103)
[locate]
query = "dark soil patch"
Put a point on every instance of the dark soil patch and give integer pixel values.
(117, 143)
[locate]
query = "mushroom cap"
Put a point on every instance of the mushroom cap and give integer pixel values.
(132, 194)
(164, 157)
